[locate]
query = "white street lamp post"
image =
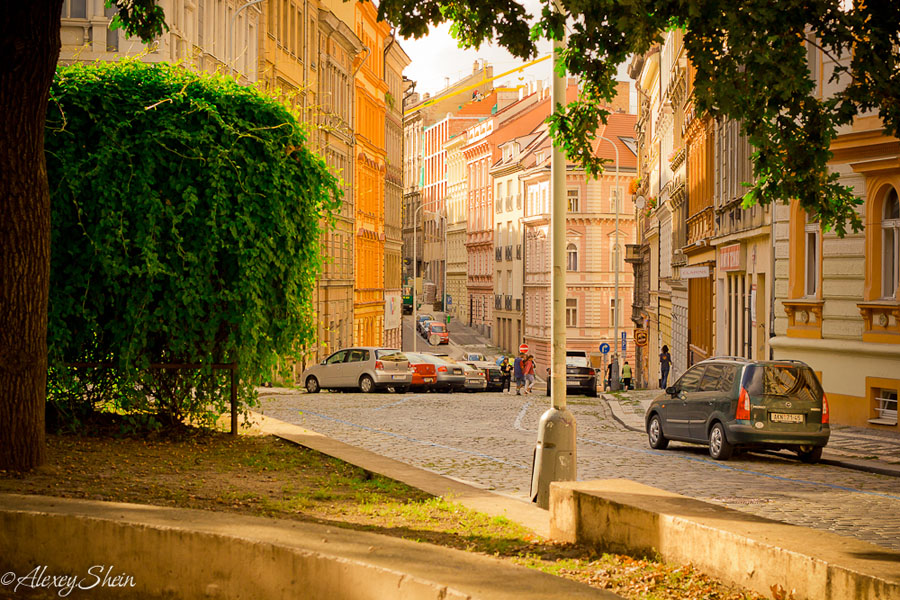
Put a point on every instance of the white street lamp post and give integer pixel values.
(615, 360)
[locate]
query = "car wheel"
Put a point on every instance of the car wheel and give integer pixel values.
(655, 436)
(312, 385)
(366, 385)
(719, 446)
(592, 391)
(810, 455)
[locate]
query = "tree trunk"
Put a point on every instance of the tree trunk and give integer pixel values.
(29, 49)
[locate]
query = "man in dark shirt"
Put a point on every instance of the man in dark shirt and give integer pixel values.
(518, 373)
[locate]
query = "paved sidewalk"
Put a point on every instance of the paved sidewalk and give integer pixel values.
(858, 448)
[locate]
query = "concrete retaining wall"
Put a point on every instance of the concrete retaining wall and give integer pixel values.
(189, 554)
(623, 516)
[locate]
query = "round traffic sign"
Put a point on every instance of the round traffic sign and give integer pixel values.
(604, 348)
(523, 348)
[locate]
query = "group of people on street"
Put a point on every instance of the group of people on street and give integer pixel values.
(522, 369)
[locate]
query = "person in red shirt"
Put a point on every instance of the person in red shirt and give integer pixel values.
(528, 371)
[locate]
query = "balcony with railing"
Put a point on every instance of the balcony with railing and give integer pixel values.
(633, 254)
(509, 253)
(498, 253)
(518, 304)
(699, 228)
(498, 301)
(508, 302)
(518, 251)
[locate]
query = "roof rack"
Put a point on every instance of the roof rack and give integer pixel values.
(737, 358)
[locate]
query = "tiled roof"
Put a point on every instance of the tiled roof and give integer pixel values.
(618, 126)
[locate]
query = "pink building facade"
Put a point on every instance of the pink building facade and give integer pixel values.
(591, 259)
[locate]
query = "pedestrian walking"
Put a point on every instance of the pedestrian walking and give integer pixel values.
(518, 374)
(528, 371)
(505, 374)
(626, 376)
(609, 374)
(665, 363)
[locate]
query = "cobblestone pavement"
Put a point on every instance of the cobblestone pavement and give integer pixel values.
(488, 439)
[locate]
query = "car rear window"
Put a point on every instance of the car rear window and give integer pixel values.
(437, 327)
(797, 381)
(577, 361)
(390, 355)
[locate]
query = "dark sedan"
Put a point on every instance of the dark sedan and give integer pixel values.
(580, 376)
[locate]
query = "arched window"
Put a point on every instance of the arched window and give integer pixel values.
(890, 245)
(615, 257)
(571, 258)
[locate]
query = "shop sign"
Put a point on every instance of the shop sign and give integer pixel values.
(694, 272)
(731, 258)
(640, 337)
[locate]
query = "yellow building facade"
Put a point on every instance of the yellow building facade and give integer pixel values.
(837, 304)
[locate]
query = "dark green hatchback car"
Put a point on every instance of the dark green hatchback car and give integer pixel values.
(734, 403)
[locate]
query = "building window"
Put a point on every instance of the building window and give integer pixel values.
(615, 262)
(571, 258)
(615, 198)
(571, 312)
(612, 311)
(74, 9)
(813, 240)
(572, 197)
(885, 406)
(890, 246)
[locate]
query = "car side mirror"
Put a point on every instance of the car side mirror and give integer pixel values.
(672, 390)
(322, 363)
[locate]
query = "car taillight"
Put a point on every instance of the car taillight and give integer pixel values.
(379, 365)
(824, 409)
(442, 369)
(743, 406)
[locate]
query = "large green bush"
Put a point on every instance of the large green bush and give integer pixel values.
(186, 214)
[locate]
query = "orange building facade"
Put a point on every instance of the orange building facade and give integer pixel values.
(371, 163)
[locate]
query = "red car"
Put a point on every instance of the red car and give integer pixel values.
(424, 375)
(439, 329)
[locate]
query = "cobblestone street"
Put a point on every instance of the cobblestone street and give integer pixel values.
(488, 439)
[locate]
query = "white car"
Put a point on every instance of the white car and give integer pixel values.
(367, 369)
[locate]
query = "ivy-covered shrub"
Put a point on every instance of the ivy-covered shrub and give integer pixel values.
(186, 218)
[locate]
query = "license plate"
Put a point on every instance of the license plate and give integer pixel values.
(429, 380)
(572, 382)
(397, 376)
(785, 418)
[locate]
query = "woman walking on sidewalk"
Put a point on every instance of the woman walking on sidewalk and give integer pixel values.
(665, 362)
(528, 371)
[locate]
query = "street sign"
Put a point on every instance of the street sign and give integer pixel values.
(640, 337)
(604, 348)
(623, 341)
(523, 348)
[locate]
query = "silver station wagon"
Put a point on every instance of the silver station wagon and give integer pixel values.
(367, 369)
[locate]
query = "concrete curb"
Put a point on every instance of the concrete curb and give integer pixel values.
(194, 555)
(624, 516)
(525, 513)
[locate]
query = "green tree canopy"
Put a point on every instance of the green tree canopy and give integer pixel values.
(750, 64)
(186, 218)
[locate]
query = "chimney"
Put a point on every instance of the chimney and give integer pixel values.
(475, 67)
